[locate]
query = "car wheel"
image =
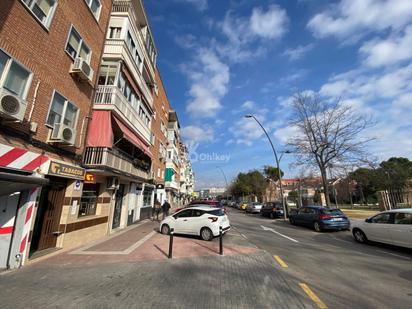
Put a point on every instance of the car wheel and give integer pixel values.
(359, 236)
(272, 215)
(317, 227)
(206, 234)
(292, 221)
(165, 230)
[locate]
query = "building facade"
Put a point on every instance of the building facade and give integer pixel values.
(49, 55)
(86, 126)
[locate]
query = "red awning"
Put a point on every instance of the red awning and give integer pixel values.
(133, 138)
(100, 130)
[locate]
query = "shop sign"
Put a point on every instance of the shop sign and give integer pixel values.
(65, 170)
(89, 178)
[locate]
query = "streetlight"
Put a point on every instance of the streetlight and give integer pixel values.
(277, 163)
(224, 175)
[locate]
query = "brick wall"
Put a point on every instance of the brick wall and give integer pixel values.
(162, 107)
(42, 51)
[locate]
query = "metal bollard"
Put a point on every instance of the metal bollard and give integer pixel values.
(172, 231)
(220, 240)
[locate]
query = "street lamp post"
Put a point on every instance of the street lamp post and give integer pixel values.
(224, 175)
(277, 164)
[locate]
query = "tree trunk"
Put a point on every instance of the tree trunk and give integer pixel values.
(325, 185)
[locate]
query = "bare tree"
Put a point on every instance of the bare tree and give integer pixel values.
(328, 133)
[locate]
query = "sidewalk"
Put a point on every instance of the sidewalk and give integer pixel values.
(130, 270)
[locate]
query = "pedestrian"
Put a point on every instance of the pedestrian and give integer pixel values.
(156, 208)
(166, 206)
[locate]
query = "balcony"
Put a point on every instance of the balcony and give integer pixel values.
(137, 17)
(117, 48)
(106, 158)
(172, 185)
(111, 98)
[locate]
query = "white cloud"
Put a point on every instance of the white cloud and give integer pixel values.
(209, 78)
(243, 32)
(270, 24)
(195, 134)
(285, 133)
(248, 105)
(246, 130)
(353, 18)
(392, 50)
(298, 52)
(201, 5)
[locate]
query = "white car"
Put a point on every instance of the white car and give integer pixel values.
(203, 221)
(392, 227)
(254, 207)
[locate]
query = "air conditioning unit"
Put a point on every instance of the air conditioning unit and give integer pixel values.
(82, 69)
(11, 106)
(112, 183)
(63, 134)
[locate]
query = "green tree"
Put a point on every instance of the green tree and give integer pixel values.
(272, 172)
(250, 183)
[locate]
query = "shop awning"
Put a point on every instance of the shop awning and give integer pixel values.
(10, 182)
(133, 138)
(100, 130)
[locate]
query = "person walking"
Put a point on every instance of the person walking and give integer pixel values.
(156, 208)
(166, 206)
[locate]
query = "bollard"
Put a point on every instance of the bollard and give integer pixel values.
(220, 240)
(172, 230)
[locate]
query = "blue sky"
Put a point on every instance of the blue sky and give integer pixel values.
(222, 59)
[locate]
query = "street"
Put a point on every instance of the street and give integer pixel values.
(343, 273)
(266, 264)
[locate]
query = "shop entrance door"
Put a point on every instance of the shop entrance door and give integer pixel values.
(48, 216)
(118, 207)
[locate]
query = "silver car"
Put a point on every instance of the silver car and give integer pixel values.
(254, 207)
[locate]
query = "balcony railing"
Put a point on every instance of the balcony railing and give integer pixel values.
(110, 97)
(101, 157)
(172, 184)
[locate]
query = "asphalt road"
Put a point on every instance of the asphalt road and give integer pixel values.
(339, 271)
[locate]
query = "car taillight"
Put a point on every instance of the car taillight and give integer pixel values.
(214, 219)
(322, 217)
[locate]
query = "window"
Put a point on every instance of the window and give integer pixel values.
(197, 212)
(16, 77)
(382, 218)
(147, 197)
(115, 32)
(158, 173)
(95, 6)
(76, 47)
(42, 9)
(88, 201)
(107, 75)
(403, 218)
(184, 214)
(61, 110)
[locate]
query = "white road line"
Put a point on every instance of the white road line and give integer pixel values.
(243, 235)
(394, 254)
(276, 232)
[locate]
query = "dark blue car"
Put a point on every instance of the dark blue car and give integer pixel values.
(320, 218)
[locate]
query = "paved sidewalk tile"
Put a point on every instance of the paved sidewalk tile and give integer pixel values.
(236, 281)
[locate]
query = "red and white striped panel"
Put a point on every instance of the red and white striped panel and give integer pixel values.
(17, 158)
(31, 203)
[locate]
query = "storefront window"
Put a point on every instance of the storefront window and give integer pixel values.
(147, 197)
(88, 201)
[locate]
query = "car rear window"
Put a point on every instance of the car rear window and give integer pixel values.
(333, 212)
(217, 212)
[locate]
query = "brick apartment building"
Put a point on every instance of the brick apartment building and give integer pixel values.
(49, 58)
(159, 130)
(88, 139)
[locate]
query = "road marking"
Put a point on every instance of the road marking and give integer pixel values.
(394, 254)
(280, 261)
(243, 235)
(276, 232)
(313, 296)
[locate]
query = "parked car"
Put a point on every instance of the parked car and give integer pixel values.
(272, 210)
(203, 221)
(392, 227)
(254, 207)
(242, 206)
(320, 218)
